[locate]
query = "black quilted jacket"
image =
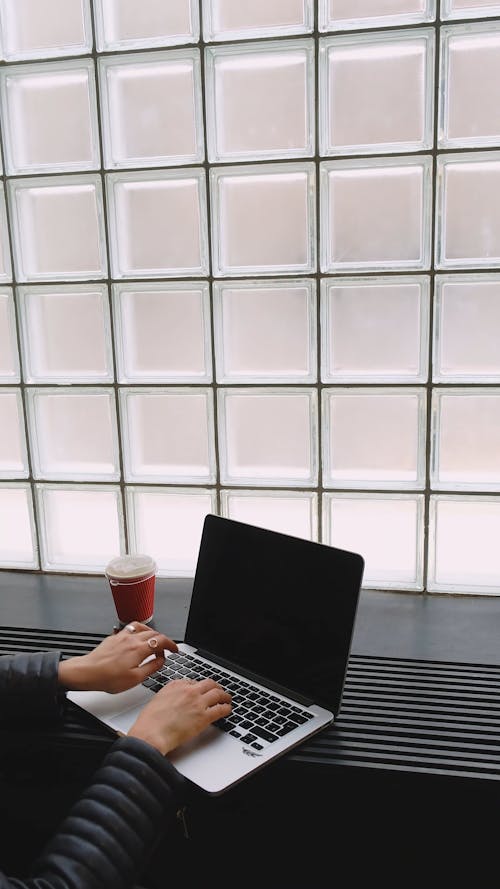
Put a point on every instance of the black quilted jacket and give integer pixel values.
(107, 836)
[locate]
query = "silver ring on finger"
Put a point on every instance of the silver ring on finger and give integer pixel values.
(130, 628)
(153, 642)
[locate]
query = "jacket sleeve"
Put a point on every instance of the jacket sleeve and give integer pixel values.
(105, 840)
(29, 688)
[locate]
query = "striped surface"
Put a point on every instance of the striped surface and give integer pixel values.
(397, 714)
(414, 715)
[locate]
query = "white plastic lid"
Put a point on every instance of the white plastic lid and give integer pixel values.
(131, 566)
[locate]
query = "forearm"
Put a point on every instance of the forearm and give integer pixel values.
(29, 688)
(108, 835)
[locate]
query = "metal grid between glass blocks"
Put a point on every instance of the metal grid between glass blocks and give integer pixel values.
(250, 264)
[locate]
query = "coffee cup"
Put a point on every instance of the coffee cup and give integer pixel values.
(132, 580)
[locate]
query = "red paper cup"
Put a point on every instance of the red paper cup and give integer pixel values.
(132, 581)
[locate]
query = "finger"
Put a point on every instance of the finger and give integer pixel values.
(157, 643)
(131, 627)
(207, 684)
(217, 711)
(151, 666)
(217, 696)
(139, 628)
(147, 633)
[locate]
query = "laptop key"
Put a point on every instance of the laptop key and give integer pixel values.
(284, 729)
(248, 738)
(263, 733)
(150, 683)
(301, 717)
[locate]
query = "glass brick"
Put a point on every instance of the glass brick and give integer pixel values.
(289, 512)
(371, 74)
(265, 331)
(375, 330)
(158, 223)
(13, 453)
(163, 332)
(260, 100)
(36, 29)
(49, 117)
(464, 9)
(467, 321)
(167, 523)
(466, 439)
(339, 15)
(468, 212)
(9, 358)
(81, 527)
(463, 545)
(374, 438)
(17, 529)
(182, 448)
(386, 529)
(376, 214)
(5, 264)
(470, 71)
(152, 109)
(263, 219)
(268, 436)
(65, 333)
(58, 228)
(73, 433)
(238, 19)
(125, 24)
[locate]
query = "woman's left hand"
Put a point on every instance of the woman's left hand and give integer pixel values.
(119, 662)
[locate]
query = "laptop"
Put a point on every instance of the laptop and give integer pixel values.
(271, 618)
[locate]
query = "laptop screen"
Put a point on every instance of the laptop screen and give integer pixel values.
(279, 606)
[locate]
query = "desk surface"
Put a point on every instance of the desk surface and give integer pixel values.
(447, 628)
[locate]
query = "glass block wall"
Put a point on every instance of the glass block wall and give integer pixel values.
(250, 264)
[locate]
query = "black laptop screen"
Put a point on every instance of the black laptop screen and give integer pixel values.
(279, 606)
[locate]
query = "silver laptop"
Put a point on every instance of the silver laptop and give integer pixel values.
(271, 618)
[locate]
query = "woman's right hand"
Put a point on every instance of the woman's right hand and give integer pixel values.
(179, 712)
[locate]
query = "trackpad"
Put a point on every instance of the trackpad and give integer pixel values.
(118, 711)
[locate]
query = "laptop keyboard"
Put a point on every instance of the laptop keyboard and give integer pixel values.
(258, 717)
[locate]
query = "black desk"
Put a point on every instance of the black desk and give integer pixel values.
(447, 628)
(409, 773)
